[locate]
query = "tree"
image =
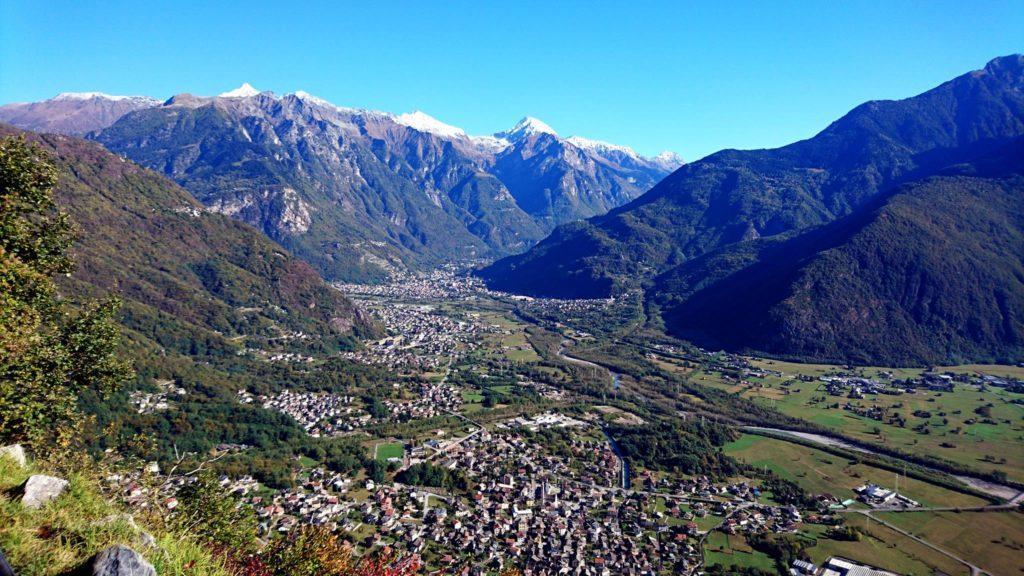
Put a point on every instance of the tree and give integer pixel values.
(49, 351)
(208, 512)
(376, 471)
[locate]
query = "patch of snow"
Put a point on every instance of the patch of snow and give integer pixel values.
(490, 142)
(599, 146)
(302, 95)
(100, 95)
(669, 159)
(426, 123)
(244, 91)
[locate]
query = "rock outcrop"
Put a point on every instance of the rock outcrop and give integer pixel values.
(15, 452)
(121, 561)
(40, 489)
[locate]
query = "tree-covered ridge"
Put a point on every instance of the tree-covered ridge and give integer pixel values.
(931, 274)
(144, 238)
(733, 195)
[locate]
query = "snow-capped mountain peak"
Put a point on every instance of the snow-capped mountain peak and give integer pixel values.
(423, 122)
(244, 91)
(525, 128)
(303, 95)
(669, 160)
(100, 95)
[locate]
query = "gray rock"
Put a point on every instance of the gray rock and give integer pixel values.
(40, 489)
(146, 540)
(121, 561)
(14, 452)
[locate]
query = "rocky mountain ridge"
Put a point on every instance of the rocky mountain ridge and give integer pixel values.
(358, 193)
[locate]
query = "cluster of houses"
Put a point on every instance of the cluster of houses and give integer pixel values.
(420, 337)
(324, 415)
(758, 518)
(855, 386)
(1011, 384)
(546, 511)
(319, 414)
(149, 402)
(441, 284)
(432, 399)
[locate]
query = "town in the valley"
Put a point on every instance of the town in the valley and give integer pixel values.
(500, 459)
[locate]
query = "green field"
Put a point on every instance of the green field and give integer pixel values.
(514, 346)
(993, 541)
(387, 450)
(732, 549)
(955, 432)
(472, 396)
(820, 472)
(883, 548)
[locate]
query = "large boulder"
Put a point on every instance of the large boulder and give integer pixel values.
(14, 452)
(40, 489)
(121, 561)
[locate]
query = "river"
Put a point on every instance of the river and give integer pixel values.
(616, 380)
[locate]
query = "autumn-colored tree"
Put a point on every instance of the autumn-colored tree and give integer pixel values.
(208, 512)
(49, 351)
(317, 551)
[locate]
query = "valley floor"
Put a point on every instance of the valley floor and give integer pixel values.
(493, 444)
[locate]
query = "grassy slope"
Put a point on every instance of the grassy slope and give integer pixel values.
(65, 533)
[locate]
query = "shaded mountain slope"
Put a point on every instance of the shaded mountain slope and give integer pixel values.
(933, 273)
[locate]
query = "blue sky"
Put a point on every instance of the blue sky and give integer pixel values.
(688, 77)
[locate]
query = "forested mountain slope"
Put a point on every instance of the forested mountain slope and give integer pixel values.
(183, 271)
(733, 195)
(931, 274)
